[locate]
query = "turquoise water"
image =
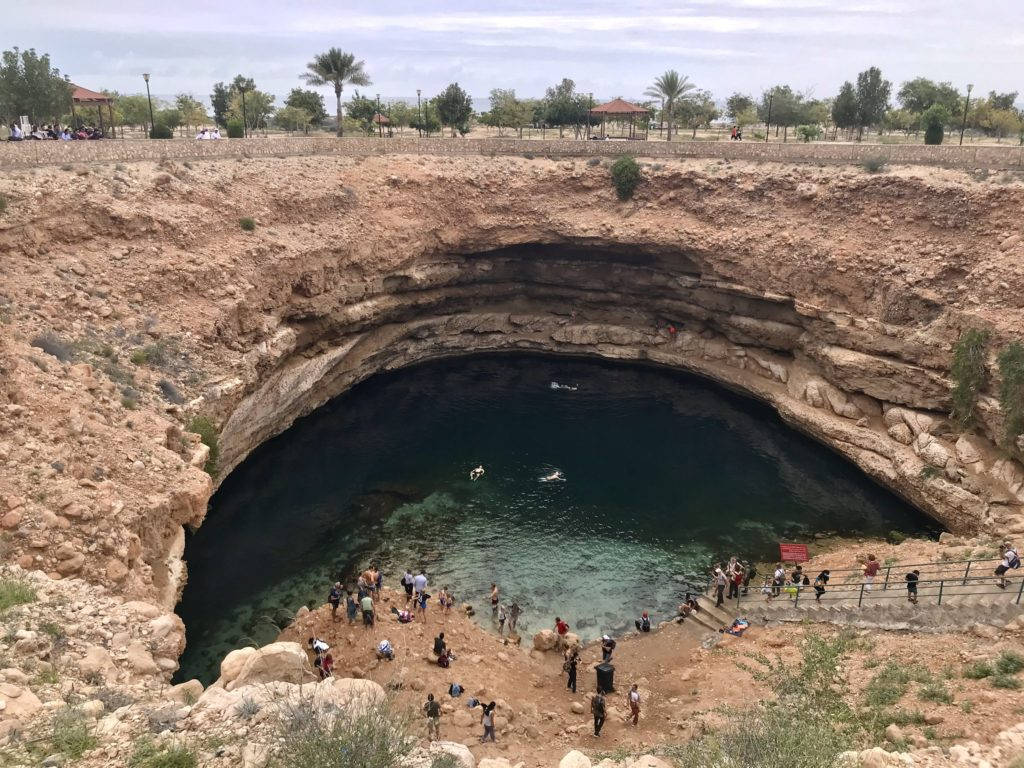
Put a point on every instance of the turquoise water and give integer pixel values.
(660, 474)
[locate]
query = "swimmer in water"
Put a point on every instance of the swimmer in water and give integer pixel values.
(556, 475)
(477, 473)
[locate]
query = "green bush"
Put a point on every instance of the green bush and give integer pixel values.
(934, 121)
(148, 755)
(3, 204)
(71, 733)
(247, 223)
(160, 131)
(1011, 393)
(14, 592)
(236, 130)
(310, 737)
(968, 373)
(1008, 682)
(873, 164)
(1009, 663)
(934, 134)
(935, 691)
(890, 683)
(207, 432)
(978, 670)
(625, 176)
(808, 132)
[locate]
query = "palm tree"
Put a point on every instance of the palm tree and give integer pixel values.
(335, 67)
(670, 87)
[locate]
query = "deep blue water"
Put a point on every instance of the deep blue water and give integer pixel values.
(662, 473)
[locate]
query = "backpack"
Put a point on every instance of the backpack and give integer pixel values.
(1013, 558)
(597, 705)
(433, 709)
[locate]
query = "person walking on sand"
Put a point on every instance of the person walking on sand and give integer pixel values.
(368, 613)
(334, 598)
(633, 699)
(433, 711)
(870, 571)
(494, 600)
(487, 719)
(571, 667)
(597, 709)
(912, 579)
(351, 607)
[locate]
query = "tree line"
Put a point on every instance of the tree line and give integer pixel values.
(30, 85)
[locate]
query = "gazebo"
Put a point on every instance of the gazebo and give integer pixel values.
(381, 121)
(83, 96)
(623, 114)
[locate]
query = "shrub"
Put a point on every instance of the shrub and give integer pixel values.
(379, 736)
(14, 592)
(808, 132)
(1009, 663)
(873, 164)
(935, 691)
(235, 129)
(207, 432)
(934, 120)
(1008, 682)
(968, 372)
(160, 131)
(147, 755)
(71, 734)
(896, 537)
(1011, 393)
(890, 683)
(52, 344)
(3, 204)
(978, 670)
(625, 176)
(151, 354)
(594, 161)
(447, 760)
(247, 223)
(170, 392)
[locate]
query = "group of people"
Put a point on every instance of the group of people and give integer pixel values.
(208, 133)
(737, 134)
(504, 614)
(15, 132)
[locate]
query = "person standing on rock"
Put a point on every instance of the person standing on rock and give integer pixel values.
(720, 580)
(494, 600)
(571, 667)
(870, 571)
(368, 613)
(334, 598)
(561, 630)
(433, 710)
(597, 709)
(487, 719)
(633, 699)
(607, 648)
(351, 607)
(407, 585)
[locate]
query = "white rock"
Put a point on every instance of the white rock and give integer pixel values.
(574, 759)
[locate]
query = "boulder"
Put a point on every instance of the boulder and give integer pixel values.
(650, 761)
(545, 640)
(423, 757)
(969, 449)
(168, 633)
(901, 433)
(577, 708)
(97, 663)
(574, 759)
(187, 692)
(140, 659)
(931, 450)
(285, 662)
(494, 762)
(233, 663)
(19, 703)
(894, 734)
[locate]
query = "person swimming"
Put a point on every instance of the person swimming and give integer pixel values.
(477, 473)
(554, 476)
(570, 387)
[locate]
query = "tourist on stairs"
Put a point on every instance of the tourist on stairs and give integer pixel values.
(871, 568)
(912, 579)
(819, 585)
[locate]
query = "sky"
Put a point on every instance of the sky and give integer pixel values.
(608, 48)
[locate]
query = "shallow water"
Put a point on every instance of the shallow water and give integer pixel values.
(660, 474)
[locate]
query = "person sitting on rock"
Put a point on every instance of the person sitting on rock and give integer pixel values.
(607, 647)
(440, 646)
(404, 616)
(643, 624)
(445, 658)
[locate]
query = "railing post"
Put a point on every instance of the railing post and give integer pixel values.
(1019, 591)
(796, 599)
(888, 570)
(942, 583)
(967, 570)
(860, 598)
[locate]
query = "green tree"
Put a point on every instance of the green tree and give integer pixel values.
(564, 106)
(170, 117)
(254, 107)
(237, 106)
(785, 107)
(427, 119)
(507, 111)
(336, 69)
(361, 110)
(292, 118)
(190, 109)
(737, 104)
(670, 88)
(1002, 101)
(844, 107)
(454, 107)
(29, 85)
(401, 115)
(934, 121)
(968, 374)
(872, 99)
(920, 93)
(311, 101)
(902, 120)
(134, 109)
(220, 99)
(697, 110)
(1011, 394)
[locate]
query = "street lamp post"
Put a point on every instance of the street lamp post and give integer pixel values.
(380, 125)
(768, 121)
(145, 76)
(419, 112)
(967, 103)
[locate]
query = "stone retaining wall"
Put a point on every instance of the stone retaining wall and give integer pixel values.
(31, 153)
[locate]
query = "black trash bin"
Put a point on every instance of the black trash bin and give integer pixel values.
(605, 677)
